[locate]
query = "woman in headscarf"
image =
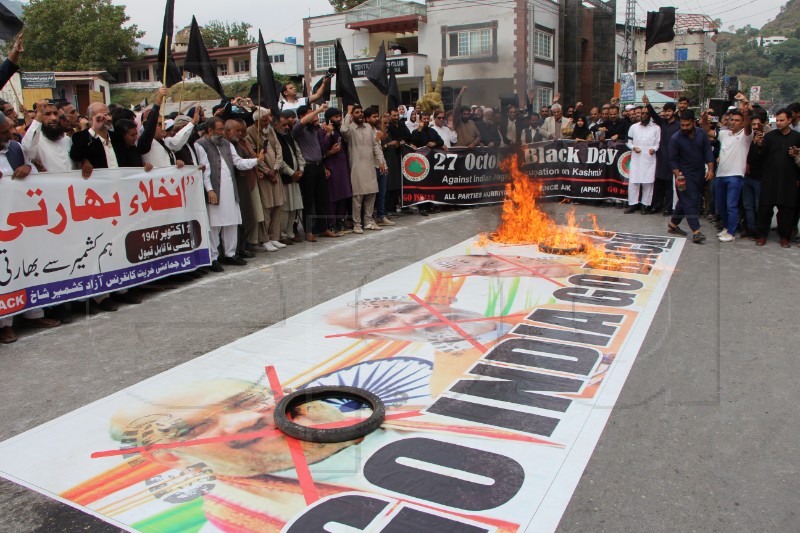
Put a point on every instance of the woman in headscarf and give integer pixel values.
(581, 131)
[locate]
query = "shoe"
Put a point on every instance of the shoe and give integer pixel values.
(235, 260)
(723, 232)
(310, 237)
(727, 237)
(216, 267)
(344, 231)
(385, 222)
(667, 212)
(39, 322)
(62, 313)
(357, 230)
(268, 247)
(276, 244)
(257, 248)
(246, 254)
(372, 226)
(328, 234)
(126, 298)
(630, 210)
(761, 241)
(93, 308)
(785, 243)
(676, 230)
(286, 241)
(297, 239)
(646, 210)
(698, 237)
(7, 335)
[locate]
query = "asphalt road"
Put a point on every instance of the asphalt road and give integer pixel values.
(703, 436)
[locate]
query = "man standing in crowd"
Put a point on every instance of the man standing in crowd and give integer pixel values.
(489, 130)
(365, 156)
(270, 186)
(249, 198)
(662, 189)
(290, 100)
(683, 104)
(313, 183)
(291, 173)
(780, 149)
(448, 136)
(510, 128)
(46, 143)
(556, 126)
(692, 162)
(467, 133)
(617, 128)
(533, 131)
(751, 186)
(334, 153)
(152, 143)
(68, 117)
(735, 141)
(643, 138)
(220, 160)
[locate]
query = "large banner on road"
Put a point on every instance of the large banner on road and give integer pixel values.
(461, 176)
(499, 366)
(65, 238)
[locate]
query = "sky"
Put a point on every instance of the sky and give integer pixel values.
(278, 19)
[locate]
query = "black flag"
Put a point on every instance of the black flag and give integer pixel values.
(394, 92)
(173, 72)
(198, 61)
(378, 73)
(345, 86)
(266, 79)
(660, 27)
(326, 96)
(10, 25)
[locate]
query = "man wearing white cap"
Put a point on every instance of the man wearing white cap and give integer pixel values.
(643, 140)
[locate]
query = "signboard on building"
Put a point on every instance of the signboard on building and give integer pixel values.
(38, 80)
(627, 87)
(398, 66)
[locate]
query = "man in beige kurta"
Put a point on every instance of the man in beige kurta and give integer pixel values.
(269, 185)
(365, 156)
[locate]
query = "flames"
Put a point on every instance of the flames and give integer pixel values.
(523, 222)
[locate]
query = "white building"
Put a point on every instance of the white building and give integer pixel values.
(768, 41)
(286, 57)
(505, 47)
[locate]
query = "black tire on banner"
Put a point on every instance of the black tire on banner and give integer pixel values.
(344, 434)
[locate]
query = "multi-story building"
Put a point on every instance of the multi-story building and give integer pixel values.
(503, 48)
(286, 57)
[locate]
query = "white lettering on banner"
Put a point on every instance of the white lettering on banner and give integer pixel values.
(480, 161)
(62, 234)
(540, 154)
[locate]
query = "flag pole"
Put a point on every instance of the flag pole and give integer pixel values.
(260, 146)
(164, 78)
(183, 85)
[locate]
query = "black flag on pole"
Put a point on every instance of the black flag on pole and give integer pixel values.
(378, 72)
(326, 95)
(345, 86)
(198, 61)
(173, 72)
(10, 25)
(394, 92)
(266, 79)
(660, 27)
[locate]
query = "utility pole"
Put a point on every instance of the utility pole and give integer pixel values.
(630, 35)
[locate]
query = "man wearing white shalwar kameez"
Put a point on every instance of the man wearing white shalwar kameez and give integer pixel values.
(221, 161)
(643, 140)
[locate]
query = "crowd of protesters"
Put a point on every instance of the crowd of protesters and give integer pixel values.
(314, 172)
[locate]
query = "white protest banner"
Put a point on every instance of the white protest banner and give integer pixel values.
(499, 366)
(65, 238)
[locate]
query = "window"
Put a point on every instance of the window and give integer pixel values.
(143, 74)
(474, 43)
(544, 97)
(326, 57)
(278, 58)
(222, 69)
(543, 45)
(681, 54)
(242, 65)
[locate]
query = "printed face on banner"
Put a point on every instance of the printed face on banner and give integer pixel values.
(497, 365)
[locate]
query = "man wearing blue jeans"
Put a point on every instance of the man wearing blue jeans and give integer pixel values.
(692, 161)
(735, 143)
(751, 187)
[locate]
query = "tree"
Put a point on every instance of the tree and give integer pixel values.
(66, 35)
(698, 84)
(345, 5)
(217, 34)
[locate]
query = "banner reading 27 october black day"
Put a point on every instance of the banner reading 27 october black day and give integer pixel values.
(463, 176)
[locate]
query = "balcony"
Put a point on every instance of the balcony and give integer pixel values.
(396, 16)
